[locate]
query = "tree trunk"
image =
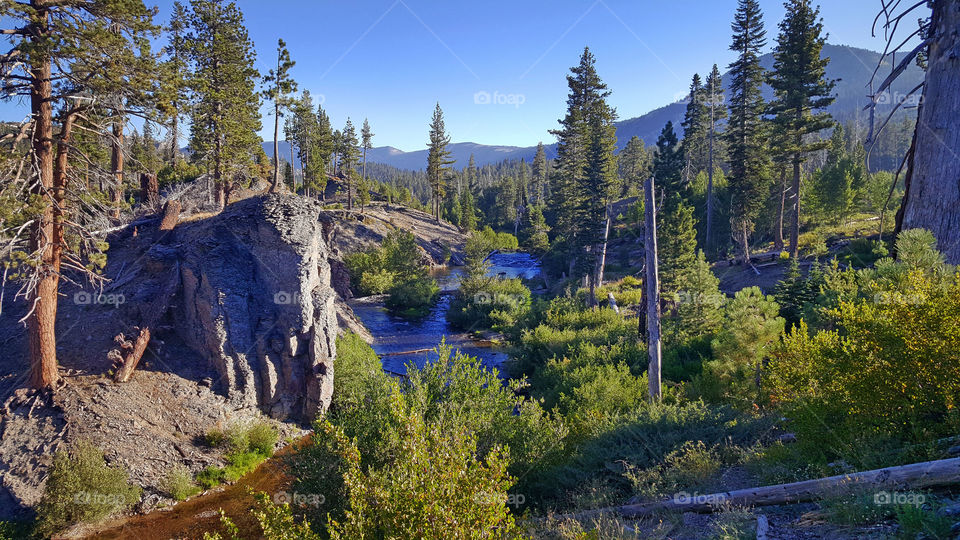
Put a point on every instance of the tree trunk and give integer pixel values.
(744, 234)
(116, 164)
(293, 165)
(932, 198)
(795, 209)
(652, 286)
(778, 225)
(707, 240)
(149, 189)
(174, 136)
(915, 476)
(276, 148)
(46, 232)
(602, 263)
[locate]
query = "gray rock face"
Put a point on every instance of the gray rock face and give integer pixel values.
(256, 301)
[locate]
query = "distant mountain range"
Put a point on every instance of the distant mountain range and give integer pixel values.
(852, 67)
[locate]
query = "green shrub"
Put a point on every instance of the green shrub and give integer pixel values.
(923, 521)
(376, 282)
(358, 368)
(436, 487)
(581, 387)
(413, 298)
(241, 463)
(486, 302)
(179, 483)
(82, 488)
(210, 477)
(262, 438)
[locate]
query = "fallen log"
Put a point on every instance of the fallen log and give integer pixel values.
(156, 310)
(914, 476)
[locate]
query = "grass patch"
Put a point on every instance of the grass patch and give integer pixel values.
(210, 477)
(246, 446)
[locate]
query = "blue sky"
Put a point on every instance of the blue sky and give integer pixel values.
(498, 68)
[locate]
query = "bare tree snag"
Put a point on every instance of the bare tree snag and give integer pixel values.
(149, 189)
(932, 198)
(171, 214)
(133, 356)
(652, 286)
(116, 164)
(914, 476)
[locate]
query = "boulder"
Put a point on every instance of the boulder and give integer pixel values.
(256, 301)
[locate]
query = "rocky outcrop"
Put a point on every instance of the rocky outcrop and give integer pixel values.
(256, 302)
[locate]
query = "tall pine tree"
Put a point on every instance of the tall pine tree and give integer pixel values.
(278, 87)
(801, 89)
(745, 130)
(438, 159)
(718, 112)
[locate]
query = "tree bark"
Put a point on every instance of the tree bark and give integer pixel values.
(46, 235)
(932, 198)
(778, 226)
(652, 287)
(116, 164)
(276, 148)
(149, 189)
(795, 209)
(707, 241)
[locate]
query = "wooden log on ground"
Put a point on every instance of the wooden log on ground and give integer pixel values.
(133, 357)
(914, 476)
(154, 312)
(171, 215)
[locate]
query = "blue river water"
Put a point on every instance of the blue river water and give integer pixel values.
(399, 341)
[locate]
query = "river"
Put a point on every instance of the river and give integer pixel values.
(399, 341)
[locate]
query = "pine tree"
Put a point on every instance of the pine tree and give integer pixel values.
(801, 89)
(585, 177)
(745, 131)
(668, 165)
(792, 293)
(696, 122)
(699, 303)
(279, 85)
(225, 114)
(535, 237)
(718, 113)
(366, 142)
(173, 88)
(539, 183)
(840, 179)
(349, 156)
(59, 51)
(438, 159)
(635, 163)
(468, 209)
(676, 243)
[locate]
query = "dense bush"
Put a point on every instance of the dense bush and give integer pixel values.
(245, 445)
(395, 268)
(413, 297)
(179, 483)
(81, 487)
(488, 302)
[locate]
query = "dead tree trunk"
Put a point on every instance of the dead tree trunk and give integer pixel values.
(652, 286)
(932, 198)
(116, 164)
(153, 313)
(149, 189)
(914, 476)
(171, 214)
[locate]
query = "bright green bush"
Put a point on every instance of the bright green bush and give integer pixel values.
(413, 298)
(179, 483)
(583, 387)
(81, 487)
(436, 487)
(377, 282)
(262, 438)
(210, 477)
(487, 302)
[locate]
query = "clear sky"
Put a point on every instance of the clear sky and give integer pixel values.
(496, 67)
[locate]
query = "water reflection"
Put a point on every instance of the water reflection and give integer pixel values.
(417, 338)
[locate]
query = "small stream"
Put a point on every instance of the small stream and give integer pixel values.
(399, 341)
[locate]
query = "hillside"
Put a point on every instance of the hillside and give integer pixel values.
(851, 66)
